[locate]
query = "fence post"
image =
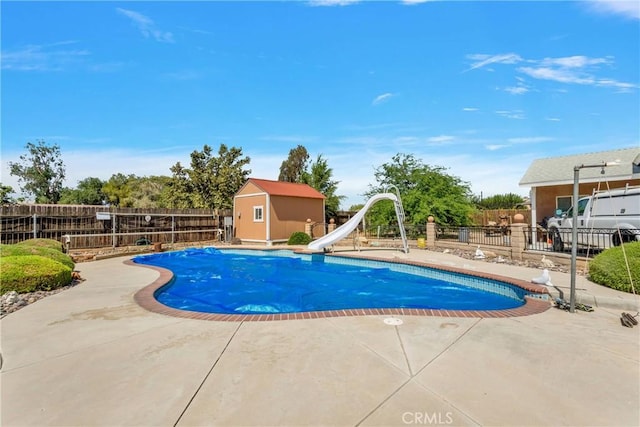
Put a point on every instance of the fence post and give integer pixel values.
(114, 238)
(307, 227)
(431, 232)
(332, 225)
(518, 239)
(35, 226)
(173, 229)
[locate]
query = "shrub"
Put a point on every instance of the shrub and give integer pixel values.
(299, 238)
(608, 268)
(42, 250)
(42, 243)
(29, 273)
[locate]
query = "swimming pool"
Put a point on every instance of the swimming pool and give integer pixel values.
(251, 282)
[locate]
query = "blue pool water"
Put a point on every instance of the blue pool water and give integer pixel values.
(257, 282)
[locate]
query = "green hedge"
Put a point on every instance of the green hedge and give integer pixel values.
(42, 243)
(22, 249)
(608, 268)
(299, 238)
(29, 273)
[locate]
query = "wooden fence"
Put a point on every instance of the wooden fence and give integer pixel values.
(486, 217)
(100, 226)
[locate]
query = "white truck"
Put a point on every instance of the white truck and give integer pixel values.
(605, 219)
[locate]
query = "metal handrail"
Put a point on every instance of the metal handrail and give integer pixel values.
(400, 214)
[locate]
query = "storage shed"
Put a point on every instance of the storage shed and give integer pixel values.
(268, 212)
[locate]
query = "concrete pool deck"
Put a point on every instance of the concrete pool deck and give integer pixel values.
(91, 356)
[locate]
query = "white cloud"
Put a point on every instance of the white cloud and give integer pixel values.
(494, 147)
(469, 109)
(42, 57)
(146, 26)
(529, 140)
(571, 76)
(440, 139)
(630, 9)
(562, 75)
(332, 2)
(414, 2)
(623, 87)
(482, 60)
(552, 119)
(406, 140)
(576, 61)
(382, 98)
(576, 69)
(516, 90)
(511, 114)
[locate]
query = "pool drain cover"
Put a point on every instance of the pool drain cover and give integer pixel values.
(393, 321)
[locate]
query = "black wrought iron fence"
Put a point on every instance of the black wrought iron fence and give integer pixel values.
(588, 241)
(491, 235)
(537, 239)
(412, 231)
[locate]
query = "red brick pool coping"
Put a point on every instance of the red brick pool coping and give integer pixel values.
(145, 297)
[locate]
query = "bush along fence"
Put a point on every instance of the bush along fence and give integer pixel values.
(80, 227)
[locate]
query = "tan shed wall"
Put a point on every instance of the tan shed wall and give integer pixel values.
(245, 227)
(289, 214)
(250, 188)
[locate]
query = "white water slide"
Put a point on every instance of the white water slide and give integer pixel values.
(345, 229)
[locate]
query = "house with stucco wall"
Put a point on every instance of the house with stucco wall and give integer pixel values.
(551, 179)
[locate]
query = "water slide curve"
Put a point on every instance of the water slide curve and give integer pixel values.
(345, 229)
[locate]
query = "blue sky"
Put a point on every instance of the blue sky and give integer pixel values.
(480, 88)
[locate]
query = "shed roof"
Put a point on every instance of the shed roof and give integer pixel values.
(559, 170)
(281, 188)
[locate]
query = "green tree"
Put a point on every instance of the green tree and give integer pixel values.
(87, 192)
(319, 177)
(180, 188)
(6, 192)
(293, 168)
(139, 191)
(149, 192)
(425, 190)
(118, 190)
(212, 181)
(40, 172)
(499, 201)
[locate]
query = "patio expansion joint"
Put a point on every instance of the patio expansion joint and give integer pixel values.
(412, 376)
(215, 363)
(373, 351)
(404, 351)
(447, 347)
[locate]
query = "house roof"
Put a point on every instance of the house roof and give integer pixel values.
(281, 188)
(559, 170)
